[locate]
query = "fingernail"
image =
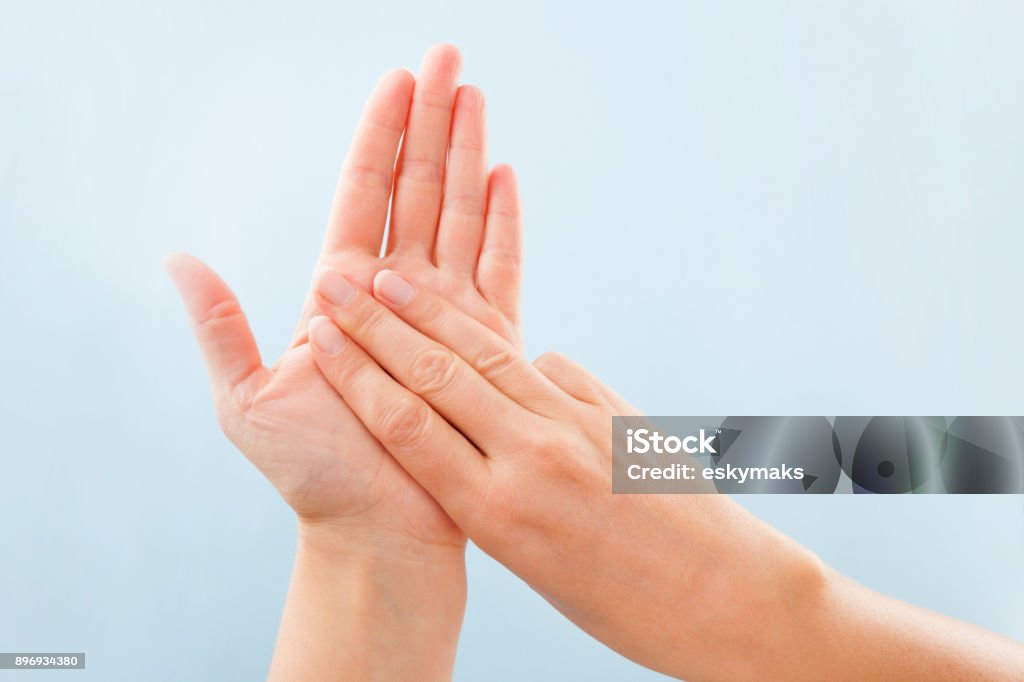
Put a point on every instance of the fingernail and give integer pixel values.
(335, 288)
(326, 336)
(393, 287)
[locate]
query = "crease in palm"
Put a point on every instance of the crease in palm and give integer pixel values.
(455, 226)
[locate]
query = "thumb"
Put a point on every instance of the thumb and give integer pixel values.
(221, 329)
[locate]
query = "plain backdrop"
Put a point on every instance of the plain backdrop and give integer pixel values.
(731, 208)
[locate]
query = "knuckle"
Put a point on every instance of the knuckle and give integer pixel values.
(432, 371)
(225, 310)
(432, 308)
(503, 258)
(550, 362)
(495, 359)
(571, 378)
(498, 324)
(470, 145)
(404, 422)
(431, 99)
(421, 170)
(570, 473)
(355, 376)
(552, 452)
(540, 445)
(510, 212)
(368, 177)
(465, 204)
(373, 319)
(388, 121)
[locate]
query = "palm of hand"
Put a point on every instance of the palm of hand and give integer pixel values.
(455, 231)
(343, 471)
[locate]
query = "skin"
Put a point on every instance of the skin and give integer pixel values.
(378, 588)
(519, 456)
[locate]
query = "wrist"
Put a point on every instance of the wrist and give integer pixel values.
(426, 581)
(368, 604)
(351, 542)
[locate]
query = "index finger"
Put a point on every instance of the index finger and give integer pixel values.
(429, 448)
(360, 209)
(425, 367)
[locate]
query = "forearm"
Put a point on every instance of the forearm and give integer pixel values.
(693, 586)
(364, 607)
(778, 613)
(860, 634)
(802, 620)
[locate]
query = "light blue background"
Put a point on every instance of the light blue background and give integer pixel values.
(812, 208)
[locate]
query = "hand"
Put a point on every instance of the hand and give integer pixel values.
(520, 456)
(369, 534)
(455, 228)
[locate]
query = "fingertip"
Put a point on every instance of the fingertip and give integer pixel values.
(334, 287)
(392, 96)
(397, 78)
(393, 287)
(445, 58)
(316, 321)
(503, 192)
(504, 173)
(446, 52)
(220, 326)
(175, 262)
(189, 275)
(470, 97)
(200, 288)
(379, 277)
(325, 336)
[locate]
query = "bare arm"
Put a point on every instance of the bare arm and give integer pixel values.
(378, 588)
(519, 455)
(366, 607)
